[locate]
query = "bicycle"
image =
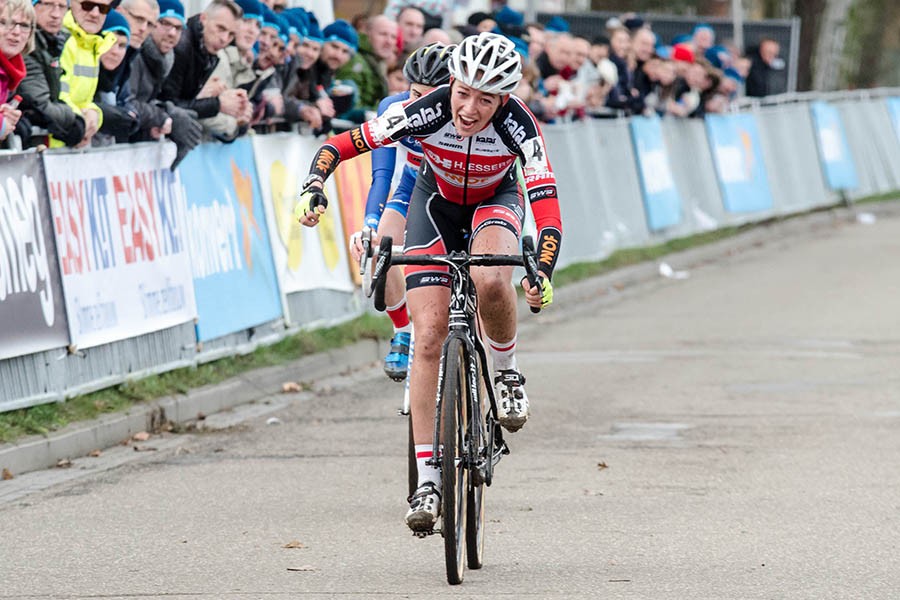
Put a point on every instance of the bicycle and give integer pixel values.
(472, 438)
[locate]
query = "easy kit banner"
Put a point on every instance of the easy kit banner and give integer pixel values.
(737, 154)
(834, 151)
(661, 198)
(121, 237)
(307, 258)
(32, 310)
(231, 256)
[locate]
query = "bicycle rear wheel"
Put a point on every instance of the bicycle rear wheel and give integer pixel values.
(453, 476)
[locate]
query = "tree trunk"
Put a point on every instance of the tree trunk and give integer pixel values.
(810, 13)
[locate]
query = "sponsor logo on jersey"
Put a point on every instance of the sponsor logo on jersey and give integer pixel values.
(485, 140)
(325, 159)
(515, 129)
(425, 115)
(542, 193)
(359, 143)
(549, 246)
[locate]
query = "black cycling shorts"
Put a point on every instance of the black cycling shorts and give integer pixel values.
(437, 226)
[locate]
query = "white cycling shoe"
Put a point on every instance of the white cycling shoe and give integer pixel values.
(512, 402)
(424, 508)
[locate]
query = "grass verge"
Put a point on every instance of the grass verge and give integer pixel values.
(47, 418)
(50, 417)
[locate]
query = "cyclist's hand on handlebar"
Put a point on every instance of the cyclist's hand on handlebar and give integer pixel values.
(538, 296)
(312, 203)
(356, 243)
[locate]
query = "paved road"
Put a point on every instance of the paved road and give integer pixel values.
(729, 435)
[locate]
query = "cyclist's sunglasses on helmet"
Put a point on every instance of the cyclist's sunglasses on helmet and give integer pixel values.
(88, 6)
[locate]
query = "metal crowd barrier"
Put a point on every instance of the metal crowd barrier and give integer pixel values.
(615, 189)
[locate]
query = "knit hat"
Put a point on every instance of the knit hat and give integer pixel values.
(298, 21)
(718, 56)
(116, 22)
(171, 8)
(253, 9)
(680, 39)
(477, 17)
(313, 31)
(508, 16)
(270, 20)
(521, 45)
(343, 32)
(557, 23)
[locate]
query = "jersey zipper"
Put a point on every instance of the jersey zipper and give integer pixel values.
(466, 180)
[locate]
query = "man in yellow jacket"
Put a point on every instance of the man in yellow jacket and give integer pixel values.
(80, 62)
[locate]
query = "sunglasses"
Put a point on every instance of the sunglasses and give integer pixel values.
(88, 6)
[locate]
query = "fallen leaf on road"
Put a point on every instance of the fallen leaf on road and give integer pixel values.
(273, 421)
(293, 544)
(303, 568)
(7, 475)
(63, 463)
(95, 453)
(144, 449)
(290, 387)
(602, 465)
(141, 436)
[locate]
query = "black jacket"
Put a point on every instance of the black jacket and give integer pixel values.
(192, 67)
(757, 84)
(41, 105)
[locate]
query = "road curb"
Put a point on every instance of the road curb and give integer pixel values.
(77, 440)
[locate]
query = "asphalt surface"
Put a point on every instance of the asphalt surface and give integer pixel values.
(733, 434)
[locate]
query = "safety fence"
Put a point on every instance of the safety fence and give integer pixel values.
(113, 267)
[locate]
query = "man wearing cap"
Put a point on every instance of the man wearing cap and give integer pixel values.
(120, 118)
(308, 82)
(196, 56)
(340, 44)
(368, 67)
(80, 62)
(148, 72)
(41, 105)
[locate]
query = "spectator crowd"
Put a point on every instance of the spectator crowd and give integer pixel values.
(97, 72)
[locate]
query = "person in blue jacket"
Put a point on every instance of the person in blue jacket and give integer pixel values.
(425, 69)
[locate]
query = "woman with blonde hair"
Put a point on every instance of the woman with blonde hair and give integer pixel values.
(16, 38)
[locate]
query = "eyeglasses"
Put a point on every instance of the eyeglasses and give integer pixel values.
(139, 20)
(88, 6)
(13, 25)
(166, 25)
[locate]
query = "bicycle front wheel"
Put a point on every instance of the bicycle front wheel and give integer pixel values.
(453, 476)
(476, 487)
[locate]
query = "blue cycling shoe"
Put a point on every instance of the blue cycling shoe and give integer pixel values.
(397, 361)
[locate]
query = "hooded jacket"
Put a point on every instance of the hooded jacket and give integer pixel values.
(192, 67)
(40, 91)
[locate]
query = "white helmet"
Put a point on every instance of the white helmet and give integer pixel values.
(487, 62)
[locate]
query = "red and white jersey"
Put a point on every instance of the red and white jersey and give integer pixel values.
(467, 170)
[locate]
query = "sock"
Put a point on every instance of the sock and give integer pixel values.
(427, 472)
(503, 354)
(399, 317)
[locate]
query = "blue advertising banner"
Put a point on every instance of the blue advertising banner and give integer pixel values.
(834, 151)
(737, 154)
(893, 105)
(661, 198)
(234, 275)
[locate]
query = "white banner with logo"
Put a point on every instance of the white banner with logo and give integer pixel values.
(122, 242)
(305, 258)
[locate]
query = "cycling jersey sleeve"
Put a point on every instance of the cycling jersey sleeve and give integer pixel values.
(418, 118)
(522, 134)
(383, 162)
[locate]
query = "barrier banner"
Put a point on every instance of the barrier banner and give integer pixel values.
(32, 310)
(893, 105)
(834, 151)
(737, 154)
(121, 238)
(306, 258)
(661, 198)
(234, 274)
(354, 179)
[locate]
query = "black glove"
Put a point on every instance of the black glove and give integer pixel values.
(187, 132)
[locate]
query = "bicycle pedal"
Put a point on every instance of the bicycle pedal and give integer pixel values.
(424, 534)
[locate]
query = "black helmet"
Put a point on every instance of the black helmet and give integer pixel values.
(428, 65)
